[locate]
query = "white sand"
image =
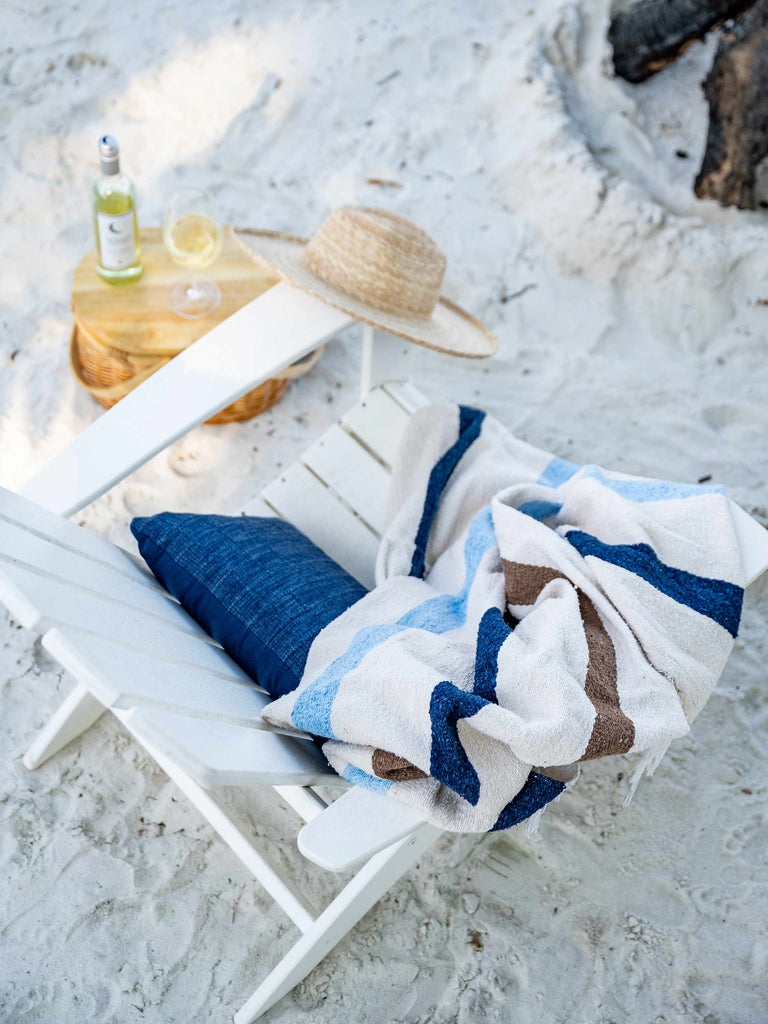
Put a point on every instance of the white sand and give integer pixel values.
(633, 324)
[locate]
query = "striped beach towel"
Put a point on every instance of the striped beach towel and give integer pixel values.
(529, 614)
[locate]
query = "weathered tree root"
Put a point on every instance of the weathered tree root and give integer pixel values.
(737, 92)
(652, 33)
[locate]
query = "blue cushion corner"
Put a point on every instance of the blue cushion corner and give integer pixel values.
(256, 585)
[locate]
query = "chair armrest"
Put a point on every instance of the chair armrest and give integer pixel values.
(357, 825)
(753, 543)
(275, 329)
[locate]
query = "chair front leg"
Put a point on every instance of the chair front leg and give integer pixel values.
(78, 713)
(342, 914)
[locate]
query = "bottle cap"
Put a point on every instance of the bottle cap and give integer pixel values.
(109, 155)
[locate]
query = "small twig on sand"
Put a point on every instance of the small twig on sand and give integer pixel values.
(508, 296)
(383, 183)
(388, 78)
(236, 904)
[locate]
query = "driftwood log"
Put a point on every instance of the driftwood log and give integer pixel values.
(652, 33)
(737, 92)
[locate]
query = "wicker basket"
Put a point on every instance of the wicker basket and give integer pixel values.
(110, 374)
(121, 336)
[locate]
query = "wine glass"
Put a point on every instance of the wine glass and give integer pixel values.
(193, 237)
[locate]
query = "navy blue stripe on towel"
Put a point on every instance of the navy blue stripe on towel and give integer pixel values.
(716, 599)
(491, 634)
(535, 794)
(470, 422)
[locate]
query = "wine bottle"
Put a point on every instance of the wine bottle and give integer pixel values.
(118, 257)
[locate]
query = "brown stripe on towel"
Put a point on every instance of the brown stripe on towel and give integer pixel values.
(613, 732)
(396, 769)
(523, 583)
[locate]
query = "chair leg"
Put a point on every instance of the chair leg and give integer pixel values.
(78, 713)
(217, 817)
(352, 903)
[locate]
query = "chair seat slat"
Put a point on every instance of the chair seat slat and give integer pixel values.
(156, 622)
(258, 507)
(407, 395)
(124, 677)
(218, 754)
(18, 547)
(50, 529)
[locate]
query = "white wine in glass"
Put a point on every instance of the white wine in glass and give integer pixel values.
(193, 237)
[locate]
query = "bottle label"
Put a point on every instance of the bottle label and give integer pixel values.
(117, 243)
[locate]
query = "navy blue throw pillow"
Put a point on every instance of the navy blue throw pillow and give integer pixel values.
(258, 586)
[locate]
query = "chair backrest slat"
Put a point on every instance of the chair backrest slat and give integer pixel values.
(379, 423)
(341, 463)
(298, 496)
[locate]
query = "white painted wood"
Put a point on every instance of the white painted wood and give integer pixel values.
(55, 602)
(172, 638)
(384, 358)
(291, 902)
(217, 754)
(123, 677)
(378, 423)
(303, 801)
(753, 543)
(76, 714)
(19, 604)
(366, 362)
(407, 395)
(131, 647)
(51, 529)
(25, 556)
(342, 463)
(258, 507)
(298, 496)
(354, 827)
(275, 329)
(352, 903)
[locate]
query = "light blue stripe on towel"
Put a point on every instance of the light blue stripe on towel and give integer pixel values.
(558, 471)
(651, 490)
(358, 777)
(313, 707)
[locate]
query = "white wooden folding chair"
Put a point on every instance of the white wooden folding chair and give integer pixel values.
(132, 649)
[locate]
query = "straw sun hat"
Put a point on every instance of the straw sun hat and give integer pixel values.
(380, 268)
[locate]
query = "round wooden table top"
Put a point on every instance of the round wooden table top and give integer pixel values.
(135, 316)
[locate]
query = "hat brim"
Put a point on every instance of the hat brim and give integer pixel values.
(449, 329)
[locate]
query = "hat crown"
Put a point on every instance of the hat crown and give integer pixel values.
(379, 258)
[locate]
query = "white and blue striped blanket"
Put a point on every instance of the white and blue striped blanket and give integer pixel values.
(529, 614)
